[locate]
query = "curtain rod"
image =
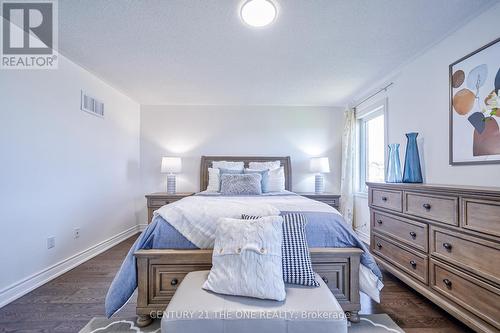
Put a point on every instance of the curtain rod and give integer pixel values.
(374, 94)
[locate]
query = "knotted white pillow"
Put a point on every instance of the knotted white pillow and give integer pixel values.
(247, 258)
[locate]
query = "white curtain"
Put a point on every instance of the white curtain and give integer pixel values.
(348, 170)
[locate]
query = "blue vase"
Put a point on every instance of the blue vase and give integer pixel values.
(394, 165)
(412, 171)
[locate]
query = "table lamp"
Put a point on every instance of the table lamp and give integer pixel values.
(171, 166)
(319, 165)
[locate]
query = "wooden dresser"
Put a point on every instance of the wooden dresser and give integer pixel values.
(443, 241)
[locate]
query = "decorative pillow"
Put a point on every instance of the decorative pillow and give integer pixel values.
(265, 178)
(264, 165)
(223, 171)
(228, 165)
(276, 181)
(230, 171)
(247, 258)
(242, 184)
(213, 180)
(297, 265)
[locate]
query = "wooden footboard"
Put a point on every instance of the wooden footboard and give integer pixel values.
(161, 271)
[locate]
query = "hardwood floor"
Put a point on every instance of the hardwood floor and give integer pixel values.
(67, 303)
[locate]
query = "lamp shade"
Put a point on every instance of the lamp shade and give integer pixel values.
(320, 165)
(171, 164)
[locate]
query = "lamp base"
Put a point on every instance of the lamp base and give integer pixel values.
(171, 184)
(319, 183)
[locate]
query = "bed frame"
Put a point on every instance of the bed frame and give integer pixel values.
(160, 271)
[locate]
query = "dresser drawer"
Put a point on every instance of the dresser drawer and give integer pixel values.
(331, 202)
(159, 202)
(410, 261)
(481, 215)
(409, 232)
(169, 277)
(387, 199)
(438, 208)
(470, 253)
(336, 277)
(472, 294)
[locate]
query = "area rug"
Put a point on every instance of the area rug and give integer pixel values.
(376, 323)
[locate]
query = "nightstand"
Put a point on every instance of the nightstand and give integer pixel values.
(328, 198)
(159, 199)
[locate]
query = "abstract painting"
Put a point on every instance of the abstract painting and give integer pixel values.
(475, 107)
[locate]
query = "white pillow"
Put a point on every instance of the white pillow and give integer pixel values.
(213, 180)
(264, 165)
(228, 165)
(247, 259)
(276, 180)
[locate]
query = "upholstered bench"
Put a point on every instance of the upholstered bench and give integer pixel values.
(306, 309)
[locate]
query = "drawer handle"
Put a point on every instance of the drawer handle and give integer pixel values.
(379, 221)
(413, 264)
(379, 245)
(384, 198)
(174, 282)
(325, 279)
(413, 234)
(427, 206)
(447, 246)
(447, 283)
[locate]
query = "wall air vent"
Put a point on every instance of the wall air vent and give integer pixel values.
(91, 105)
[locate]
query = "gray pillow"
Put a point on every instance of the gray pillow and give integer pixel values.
(230, 171)
(265, 178)
(241, 184)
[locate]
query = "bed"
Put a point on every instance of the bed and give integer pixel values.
(178, 241)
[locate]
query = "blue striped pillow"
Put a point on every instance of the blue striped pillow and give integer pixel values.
(297, 265)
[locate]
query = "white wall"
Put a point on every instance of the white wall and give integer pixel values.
(419, 102)
(62, 168)
(193, 131)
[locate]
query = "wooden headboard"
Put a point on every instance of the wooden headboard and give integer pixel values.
(206, 162)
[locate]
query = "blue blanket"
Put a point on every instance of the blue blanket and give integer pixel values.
(322, 229)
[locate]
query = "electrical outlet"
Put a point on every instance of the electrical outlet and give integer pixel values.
(76, 233)
(51, 242)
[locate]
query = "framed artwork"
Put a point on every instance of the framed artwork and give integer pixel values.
(475, 107)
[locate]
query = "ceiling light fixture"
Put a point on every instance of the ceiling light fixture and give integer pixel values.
(258, 13)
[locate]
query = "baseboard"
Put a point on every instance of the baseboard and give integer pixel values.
(142, 227)
(365, 238)
(26, 285)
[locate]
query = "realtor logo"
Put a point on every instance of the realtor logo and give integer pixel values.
(29, 34)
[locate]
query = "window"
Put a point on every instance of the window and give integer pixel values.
(371, 145)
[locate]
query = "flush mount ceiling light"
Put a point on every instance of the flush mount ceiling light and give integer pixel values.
(258, 13)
